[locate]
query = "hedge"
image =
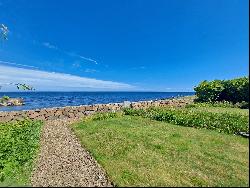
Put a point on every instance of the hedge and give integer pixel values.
(222, 122)
(235, 90)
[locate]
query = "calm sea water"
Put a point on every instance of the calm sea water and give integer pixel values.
(38, 100)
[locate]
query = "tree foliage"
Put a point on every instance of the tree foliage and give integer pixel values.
(4, 35)
(235, 90)
(4, 32)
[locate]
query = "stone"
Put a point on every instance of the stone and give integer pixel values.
(78, 111)
(81, 108)
(11, 102)
(244, 134)
(127, 104)
(41, 118)
(88, 112)
(33, 115)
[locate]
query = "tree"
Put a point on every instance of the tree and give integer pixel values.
(4, 32)
(4, 36)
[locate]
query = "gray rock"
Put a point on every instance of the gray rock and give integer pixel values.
(12, 102)
(127, 104)
(245, 134)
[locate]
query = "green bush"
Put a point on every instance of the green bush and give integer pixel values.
(223, 104)
(242, 105)
(209, 91)
(4, 98)
(222, 122)
(235, 90)
(19, 142)
(102, 116)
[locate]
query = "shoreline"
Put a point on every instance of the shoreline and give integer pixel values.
(84, 110)
(30, 103)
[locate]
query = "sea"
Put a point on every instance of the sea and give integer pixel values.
(39, 100)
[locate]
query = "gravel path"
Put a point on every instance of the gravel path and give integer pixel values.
(63, 162)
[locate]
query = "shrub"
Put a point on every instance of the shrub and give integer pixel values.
(19, 142)
(222, 122)
(235, 90)
(209, 91)
(102, 116)
(223, 104)
(4, 98)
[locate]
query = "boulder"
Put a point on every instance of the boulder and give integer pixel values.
(11, 102)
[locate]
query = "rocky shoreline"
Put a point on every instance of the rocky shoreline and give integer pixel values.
(6, 101)
(84, 110)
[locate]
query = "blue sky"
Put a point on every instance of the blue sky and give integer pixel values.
(139, 45)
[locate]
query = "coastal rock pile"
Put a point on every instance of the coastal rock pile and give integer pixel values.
(11, 102)
(85, 110)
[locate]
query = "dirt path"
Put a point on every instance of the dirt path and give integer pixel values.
(63, 162)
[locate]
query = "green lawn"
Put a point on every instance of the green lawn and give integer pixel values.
(137, 151)
(19, 143)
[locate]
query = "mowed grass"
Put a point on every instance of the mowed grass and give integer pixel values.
(19, 143)
(137, 151)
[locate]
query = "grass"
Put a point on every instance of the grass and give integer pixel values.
(137, 151)
(244, 112)
(19, 143)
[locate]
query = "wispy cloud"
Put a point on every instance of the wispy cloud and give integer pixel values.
(51, 81)
(50, 46)
(88, 59)
(90, 70)
(17, 64)
(179, 89)
(139, 68)
(72, 54)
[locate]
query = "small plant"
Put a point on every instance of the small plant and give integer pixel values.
(5, 97)
(103, 116)
(223, 104)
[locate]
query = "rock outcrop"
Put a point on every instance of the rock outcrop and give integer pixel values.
(11, 102)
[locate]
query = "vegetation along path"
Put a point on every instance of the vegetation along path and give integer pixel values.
(63, 162)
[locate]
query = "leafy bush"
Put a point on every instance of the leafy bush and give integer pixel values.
(102, 116)
(242, 105)
(209, 91)
(223, 104)
(222, 122)
(19, 142)
(235, 90)
(4, 98)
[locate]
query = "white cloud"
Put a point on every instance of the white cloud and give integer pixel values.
(72, 54)
(88, 59)
(48, 45)
(138, 68)
(50, 81)
(16, 64)
(90, 70)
